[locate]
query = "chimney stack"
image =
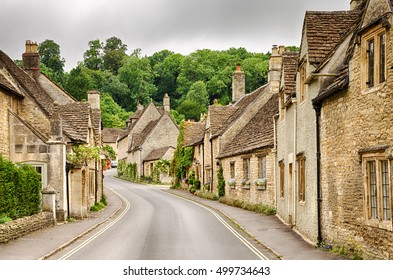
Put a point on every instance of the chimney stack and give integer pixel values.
(93, 97)
(31, 58)
(167, 103)
(238, 84)
(275, 65)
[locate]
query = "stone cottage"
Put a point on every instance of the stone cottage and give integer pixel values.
(40, 124)
(297, 175)
(151, 135)
(239, 138)
(355, 135)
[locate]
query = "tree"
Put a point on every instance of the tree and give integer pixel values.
(114, 52)
(137, 74)
(112, 114)
(50, 56)
(191, 110)
(198, 94)
(92, 58)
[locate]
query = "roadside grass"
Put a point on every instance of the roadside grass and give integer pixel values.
(258, 208)
(5, 219)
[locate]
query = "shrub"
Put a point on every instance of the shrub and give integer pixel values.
(197, 184)
(192, 189)
(20, 190)
(207, 195)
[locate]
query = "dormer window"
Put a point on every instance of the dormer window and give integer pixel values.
(374, 57)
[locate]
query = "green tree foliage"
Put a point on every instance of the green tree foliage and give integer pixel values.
(112, 115)
(52, 64)
(192, 82)
(138, 75)
(20, 190)
(50, 56)
(92, 58)
(114, 52)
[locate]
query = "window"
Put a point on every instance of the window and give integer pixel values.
(378, 199)
(42, 170)
(302, 89)
(232, 169)
(262, 167)
(282, 106)
(246, 168)
(374, 57)
(301, 161)
(281, 166)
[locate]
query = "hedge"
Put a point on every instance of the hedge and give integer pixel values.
(20, 190)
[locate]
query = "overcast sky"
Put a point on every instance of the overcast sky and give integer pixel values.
(181, 26)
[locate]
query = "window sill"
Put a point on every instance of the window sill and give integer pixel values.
(386, 225)
(261, 188)
(246, 188)
(373, 89)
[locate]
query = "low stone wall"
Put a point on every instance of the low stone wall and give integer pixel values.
(25, 225)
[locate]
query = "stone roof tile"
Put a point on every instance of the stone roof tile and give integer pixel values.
(194, 133)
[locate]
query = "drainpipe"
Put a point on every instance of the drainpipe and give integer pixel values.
(211, 164)
(294, 165)
(96, 181)
(68, 168)
(203, 165)
(317, 108)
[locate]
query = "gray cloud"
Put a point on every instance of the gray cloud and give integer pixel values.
(152, 25)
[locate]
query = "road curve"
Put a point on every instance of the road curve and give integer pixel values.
(154, 225)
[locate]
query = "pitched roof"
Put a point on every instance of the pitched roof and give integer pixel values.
(290, 61)
(157, 154)
(218, 116)
(324, 30)
(110, 135)
(257, 134)
(235, 111)
(75, 120)
(28, 83)
(194, 133)
(139, 138)
(7, 85)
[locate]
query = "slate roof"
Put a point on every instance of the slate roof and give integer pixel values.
(139, 138)
(257, 134)
(110, 135)
(290, 62)
(324, 30)
(7, 85)
(232, 113)
(157, 154)
(75, 115)
(75, 120)
(194, 133)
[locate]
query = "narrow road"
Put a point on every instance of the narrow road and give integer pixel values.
(155, 225)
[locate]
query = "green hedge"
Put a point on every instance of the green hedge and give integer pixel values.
(20, 190)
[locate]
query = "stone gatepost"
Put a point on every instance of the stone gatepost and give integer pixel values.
(49, 201)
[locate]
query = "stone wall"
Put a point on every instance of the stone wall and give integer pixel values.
(352, 121)
(4, 132)
(25, 225)
(251, 194)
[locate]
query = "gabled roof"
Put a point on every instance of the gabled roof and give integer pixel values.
(157, 154)
(28, 83)
(7, 85)
(139, 138)
(75, 120)
(75, 115)
(257, 134)
(324, 30)
(110, 135)
(233, 112)
(194, 133)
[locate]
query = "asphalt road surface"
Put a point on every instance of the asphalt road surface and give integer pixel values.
(155, 225)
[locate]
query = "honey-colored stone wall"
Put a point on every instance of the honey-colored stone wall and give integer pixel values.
(353, 120)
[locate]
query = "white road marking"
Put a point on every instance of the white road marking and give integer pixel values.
(229, 227)
(83, 244)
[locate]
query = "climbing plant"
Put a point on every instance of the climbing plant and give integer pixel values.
(161, 166)
(221, 181)
(82, 154)
(182, 158)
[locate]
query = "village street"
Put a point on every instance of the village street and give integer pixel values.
(153, 224)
